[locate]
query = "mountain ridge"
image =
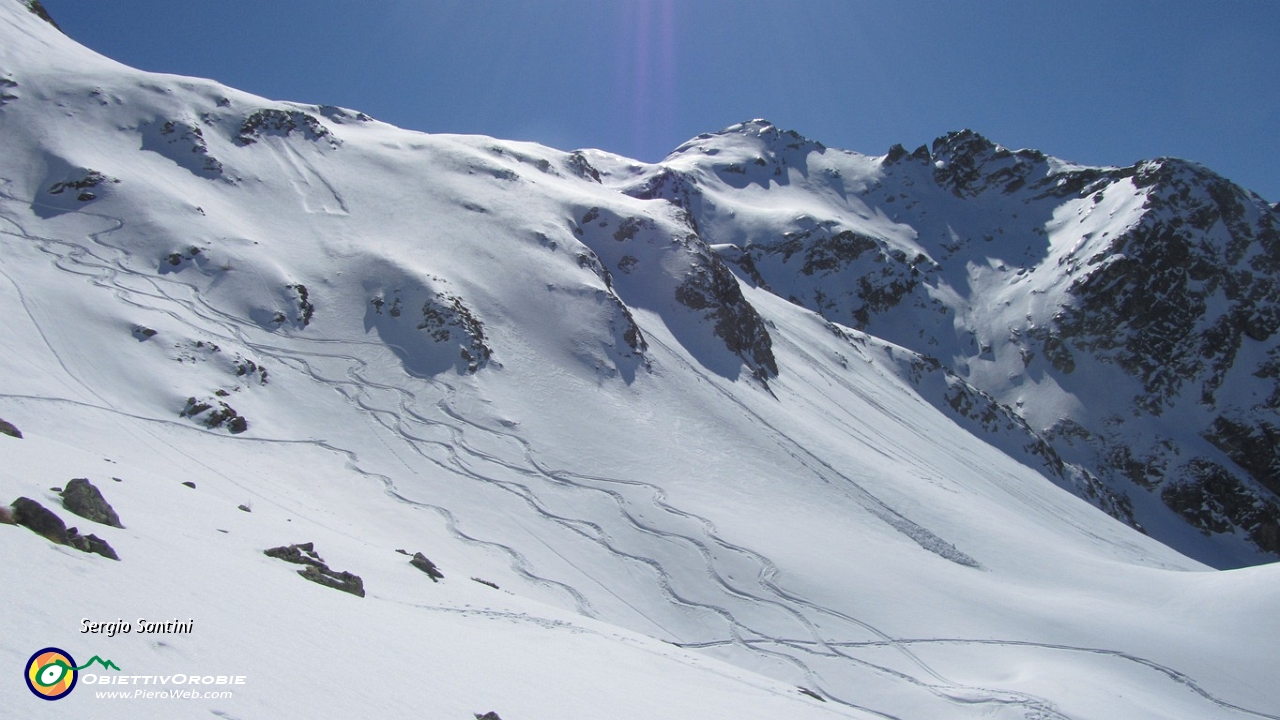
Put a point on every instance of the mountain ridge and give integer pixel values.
(679, 492)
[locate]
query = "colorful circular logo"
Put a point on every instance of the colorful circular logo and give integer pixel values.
(51, 674)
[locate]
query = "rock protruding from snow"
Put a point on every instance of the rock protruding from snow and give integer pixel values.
(90, 544)
(184, 143)
(713, 290)
(84, 499)
(271, 121)
(447, 319)
(10, 429)
(421, 562)
(36, 7)
(42, 521)
(39, 520)
(316, 570)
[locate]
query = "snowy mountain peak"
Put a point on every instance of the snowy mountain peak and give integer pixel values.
(764, 430)
(759, 142)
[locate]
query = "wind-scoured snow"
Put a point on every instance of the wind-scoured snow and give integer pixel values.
(551, 372)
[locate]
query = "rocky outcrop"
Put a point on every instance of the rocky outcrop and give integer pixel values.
(272, 121)
(215, 414)
(84, 499)
(306, 308)
(344, 581)
(846, 276)
(447, 319)
(713, 289)
(1159, 282)
(1212, 499)
(316, 570)
(182, 142)
(39, 520)
(36, 7)
(1172, 300)
(90, 544)
(1253, 445)
(42, 521)
(82, 186)
(421, 562)
(10, 429)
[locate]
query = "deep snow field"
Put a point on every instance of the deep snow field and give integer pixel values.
(672, 532)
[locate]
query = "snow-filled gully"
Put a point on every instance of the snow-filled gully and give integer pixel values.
(727, 610)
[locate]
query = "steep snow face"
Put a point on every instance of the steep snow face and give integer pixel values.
(254, 324)
(1127, 315)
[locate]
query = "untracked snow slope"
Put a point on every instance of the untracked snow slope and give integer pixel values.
(253, 324)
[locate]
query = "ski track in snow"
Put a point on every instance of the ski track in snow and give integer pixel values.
(463, 457)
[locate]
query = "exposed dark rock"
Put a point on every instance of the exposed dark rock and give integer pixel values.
(582, 167)
(344, 581)
(36, 7)
(1215, 501)
(1254, 447)
(446, 318)
(91, 544)
(40, 520)
(488, 716)
(244, 508)
(184, 144)
(142, 334)
(9, 429)
(194, 407)
(854, 277)
(421, 562)
(84, 499)
(1054, 348)
(316, 570)
(1178, 294)
(224, 414)
(306, 309)
(281, 122)
(486, 582)
(302, 554)
(99, 546)
(628, 228)
(178, 261)
(830, 253)
(190, 484)
(91, 179)
(674, 187)
(44, 522)
(713, 288)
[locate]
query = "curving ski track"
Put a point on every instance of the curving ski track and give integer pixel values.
(523, 476)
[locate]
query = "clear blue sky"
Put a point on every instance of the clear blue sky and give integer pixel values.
(1093, 81)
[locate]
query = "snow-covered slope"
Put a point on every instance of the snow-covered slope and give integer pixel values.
(1127, 317)
(253, 324)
